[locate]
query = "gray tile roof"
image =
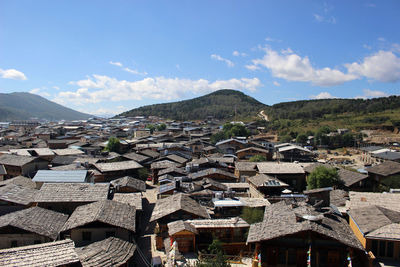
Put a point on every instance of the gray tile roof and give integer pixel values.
(129, 182)
(118, 166)
(56, 253)
(178, 226)
(174, 203)
(386, 168)
(36, 220)
(106, 211)
(281, 219)
(14, 160)
(133, 199)
(350, 177)
(72, 192)
(136, 157)
(362, 199)
(371, 218)
(206, 172)
(108, 252)
(18, 194)
(19, 180)
(279, 168)
(263, 180)
(245, 166)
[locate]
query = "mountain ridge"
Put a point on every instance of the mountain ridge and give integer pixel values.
(222, 104)
(24, 106)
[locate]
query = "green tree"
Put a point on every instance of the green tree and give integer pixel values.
(301, 139)
(214, 248)
(113, 145)
(257, 158)
(323, 176)
(252, 215)
(230, 130)
(151, 127)
(161, 127)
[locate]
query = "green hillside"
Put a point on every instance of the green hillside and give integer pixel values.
(23, 106)
(220, 104)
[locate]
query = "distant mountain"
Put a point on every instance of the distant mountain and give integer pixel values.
(24, 106)
(222, 104)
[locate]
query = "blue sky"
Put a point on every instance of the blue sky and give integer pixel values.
(105, 57)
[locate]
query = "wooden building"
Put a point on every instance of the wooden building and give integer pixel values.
(99, 220)
(30, 226)
(288, 231)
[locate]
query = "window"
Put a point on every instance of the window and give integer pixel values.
(14, 243)
(375, 247)
(110, 233)
(382, 248)
(36, 242)
(389, 251)
(86, 236)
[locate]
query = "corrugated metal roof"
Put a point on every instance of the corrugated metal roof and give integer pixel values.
(51, 176)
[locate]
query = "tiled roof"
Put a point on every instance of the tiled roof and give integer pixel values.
(56, 253)
(105, 211)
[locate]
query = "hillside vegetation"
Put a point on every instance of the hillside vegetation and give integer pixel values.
(24, 106)
(220, 105)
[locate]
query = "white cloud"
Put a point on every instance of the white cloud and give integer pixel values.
(56, 87)
(321, 18)
(368, 93)
(219, 58)
(323, 95)
(383, 66)
(381, 39)
(12, 74)
(39, 91)
(103, 111)
(103, 88)
(118, 64)
(239, 54)
(372, 5)
(292, 67)
(276, 83)
(269, 39)
(252, 67)
(135, 71)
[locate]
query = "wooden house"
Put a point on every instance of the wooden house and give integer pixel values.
(15, 197)
(263, 186)
(30, 226)
(289, 173)
(215, 174)
(247, 153)
(289, 231)
(99, 220)
(175, 207)
(184, 233)
(22, 165)
(378, 230)
(114, 170)
(65, 197)
(230, 231)
(230, 146)
(128, 184)
(386, 174)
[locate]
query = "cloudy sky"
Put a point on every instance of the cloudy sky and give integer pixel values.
(105, 57)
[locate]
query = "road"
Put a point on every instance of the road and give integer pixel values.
(263, 115)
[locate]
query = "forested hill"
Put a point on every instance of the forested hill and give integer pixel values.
(24, 106)
(313, 109)
(220, 104)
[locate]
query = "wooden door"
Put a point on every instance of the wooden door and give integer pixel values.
(333, 258)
